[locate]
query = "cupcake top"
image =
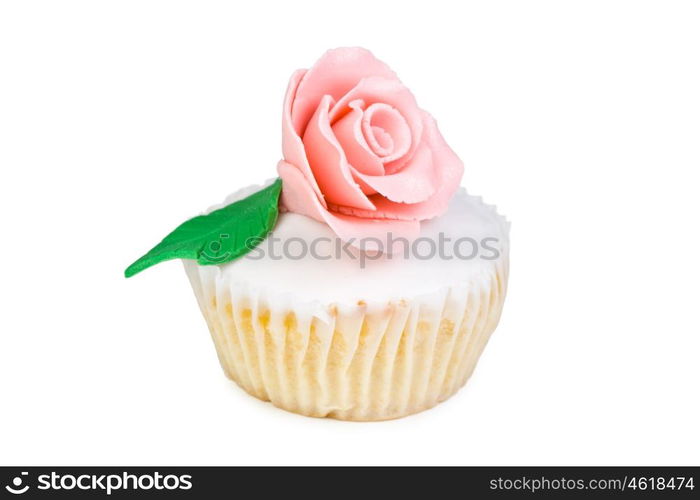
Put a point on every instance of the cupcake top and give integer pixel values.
(304, 257)
(362, 165)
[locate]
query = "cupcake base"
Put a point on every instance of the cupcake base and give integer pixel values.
(359, 362)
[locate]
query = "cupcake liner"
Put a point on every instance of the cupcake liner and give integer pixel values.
(360, 361)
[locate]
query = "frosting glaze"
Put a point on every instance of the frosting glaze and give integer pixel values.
(378, 278)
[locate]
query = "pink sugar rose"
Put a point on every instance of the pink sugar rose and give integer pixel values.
(359, 154)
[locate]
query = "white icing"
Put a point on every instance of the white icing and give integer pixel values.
(343, 280)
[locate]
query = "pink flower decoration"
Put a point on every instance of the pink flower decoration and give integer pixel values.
(359, 154)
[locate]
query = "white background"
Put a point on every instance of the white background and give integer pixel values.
(580, 120)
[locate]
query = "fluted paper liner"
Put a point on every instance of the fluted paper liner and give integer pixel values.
(350, 362)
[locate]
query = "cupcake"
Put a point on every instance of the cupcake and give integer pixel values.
(362, 283)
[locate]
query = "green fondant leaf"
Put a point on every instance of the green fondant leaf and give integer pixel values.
(220, 236)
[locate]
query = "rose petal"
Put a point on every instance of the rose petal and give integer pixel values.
(297, 196)
(292, 147)
(386, 132)
(414, 183)
(334, 74)
(348, 131)
(448, 168)
(374, 90)
(329, 163)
